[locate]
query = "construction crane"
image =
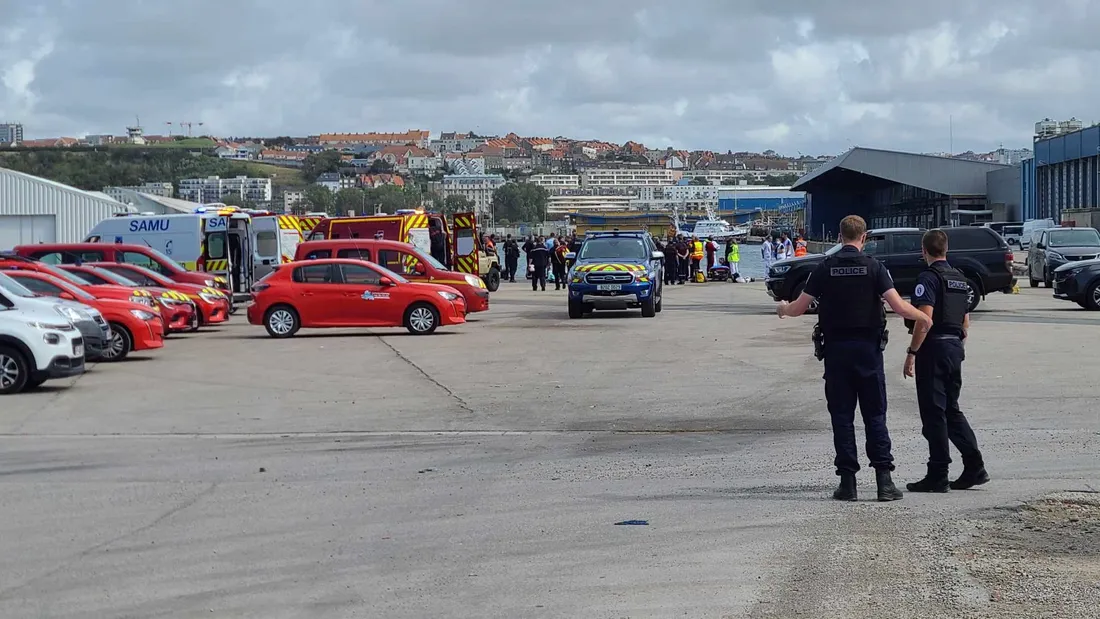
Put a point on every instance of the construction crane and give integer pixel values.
(188, 125)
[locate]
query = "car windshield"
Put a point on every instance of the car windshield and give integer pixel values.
(429, 259)
(390, 274)
(165, 259)
(613, 249)
(115, 277)
(1086, 237)
(14, 287)
(65, 275)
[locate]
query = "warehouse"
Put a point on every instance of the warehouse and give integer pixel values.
(1065, 169)
(889, 188)
(37, 210)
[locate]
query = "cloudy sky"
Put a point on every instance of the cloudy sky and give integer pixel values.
(792, 75)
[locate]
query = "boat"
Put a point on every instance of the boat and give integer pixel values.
(709, 227)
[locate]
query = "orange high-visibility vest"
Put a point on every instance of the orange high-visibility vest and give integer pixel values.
(800, 248)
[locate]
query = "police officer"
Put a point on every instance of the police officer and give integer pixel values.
(850, 287)
(936, 354)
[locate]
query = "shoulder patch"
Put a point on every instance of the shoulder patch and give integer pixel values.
(919, 291)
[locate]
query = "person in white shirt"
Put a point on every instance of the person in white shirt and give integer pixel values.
(787, 249)
(767, 252)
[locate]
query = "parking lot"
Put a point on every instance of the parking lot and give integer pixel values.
(480, 471)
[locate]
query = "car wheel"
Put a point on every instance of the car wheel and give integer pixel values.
(421, 318)
(649, 308)
(973, 296)
(281, 321)
(1034, 282)
(492, 279)
(1048, 279)
(14, 371)
(1092, 297)
(119, 344)
(660, 299)
(576, 309)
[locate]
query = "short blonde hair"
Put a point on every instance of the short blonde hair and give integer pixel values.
(852, 228)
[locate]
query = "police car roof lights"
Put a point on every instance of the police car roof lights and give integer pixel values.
(598, 233)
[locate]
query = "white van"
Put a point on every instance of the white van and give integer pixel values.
(1033, 225)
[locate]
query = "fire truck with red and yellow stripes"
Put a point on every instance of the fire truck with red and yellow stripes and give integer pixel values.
(458, 244)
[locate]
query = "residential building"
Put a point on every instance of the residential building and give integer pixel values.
(11, 133)
(101, 139)
(291, 157)
(628, 177)
(416, 137)
(228, 151)
(292, 200)
(371, 181)
(215, 189)
(465, 164)
(572, 203)
(451, 142)
(555, 183)
(478, 188)
(164, 190)
(422, 161)
(331, 181)
(517, 163)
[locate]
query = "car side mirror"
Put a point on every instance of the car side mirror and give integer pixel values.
(67, 296)
(385, 281)
(572, 255)
(657, 255)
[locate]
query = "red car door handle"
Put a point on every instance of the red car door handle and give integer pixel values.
(307, 294)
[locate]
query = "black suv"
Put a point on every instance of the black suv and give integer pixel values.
(980, 253)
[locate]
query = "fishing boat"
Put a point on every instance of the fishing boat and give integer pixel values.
(709, 227)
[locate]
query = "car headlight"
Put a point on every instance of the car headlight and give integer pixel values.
(450, 296)
(142, 314)
(1055, 255)
(474, 281)
(208, 282)
(781, 269)
(70, 314)
(49, 326)
(142, 300)
(210, 298)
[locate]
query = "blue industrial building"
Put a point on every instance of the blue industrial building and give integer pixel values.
(889, 189)
(745, 205)
(1063, 174)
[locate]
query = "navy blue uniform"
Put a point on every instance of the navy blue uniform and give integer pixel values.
(938, 368)
(853, 355)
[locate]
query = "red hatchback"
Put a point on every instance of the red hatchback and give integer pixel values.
(134, 326)
(213, 305)
(350, 293)
(177, 310)
(403, 258)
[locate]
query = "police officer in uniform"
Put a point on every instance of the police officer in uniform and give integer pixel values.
(850, 287)
(937, 354)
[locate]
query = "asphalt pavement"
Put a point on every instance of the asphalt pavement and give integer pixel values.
(480, 472)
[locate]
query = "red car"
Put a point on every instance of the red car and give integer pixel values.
(177, 310)
(349, 293)
(104, 290)
(126, 253)
(213, 305)
(403, 258)
(134, 326)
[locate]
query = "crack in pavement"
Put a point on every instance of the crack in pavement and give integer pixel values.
(461, 403)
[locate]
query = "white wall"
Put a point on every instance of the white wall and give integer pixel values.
(26, 230)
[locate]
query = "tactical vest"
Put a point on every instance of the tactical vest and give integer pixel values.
(953, 302)
(850, 307)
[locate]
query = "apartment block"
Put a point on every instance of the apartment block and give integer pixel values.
(555, 183)
(215, 189)
(11, 133)
(628, 177)
(478, 188)
(451, 142)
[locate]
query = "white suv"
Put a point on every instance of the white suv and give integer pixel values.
(37, 342)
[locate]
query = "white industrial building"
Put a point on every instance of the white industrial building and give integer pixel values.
(37, 210)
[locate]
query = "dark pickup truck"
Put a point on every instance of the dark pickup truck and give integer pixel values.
(980, 253)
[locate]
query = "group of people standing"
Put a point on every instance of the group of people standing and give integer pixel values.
(543, 253)
(684, 257)
(780, 247)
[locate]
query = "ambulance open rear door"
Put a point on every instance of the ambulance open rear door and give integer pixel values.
(267, 248)
(216, 257)
(464, 243)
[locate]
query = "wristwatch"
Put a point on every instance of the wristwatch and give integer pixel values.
(910, 351)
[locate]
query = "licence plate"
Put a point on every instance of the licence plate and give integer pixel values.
(78, 350)
(609, 286)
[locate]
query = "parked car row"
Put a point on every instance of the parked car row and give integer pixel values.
(55, 318)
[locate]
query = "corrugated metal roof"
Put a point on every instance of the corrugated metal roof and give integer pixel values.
(946, 175)
(74, 211)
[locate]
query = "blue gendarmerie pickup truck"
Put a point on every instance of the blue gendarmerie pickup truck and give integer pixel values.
(616, 271)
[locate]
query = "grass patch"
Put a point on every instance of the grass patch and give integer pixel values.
(280, 176)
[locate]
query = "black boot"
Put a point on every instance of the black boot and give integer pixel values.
(846, 491)
(934, 481)
(887, 491)
(971, 476)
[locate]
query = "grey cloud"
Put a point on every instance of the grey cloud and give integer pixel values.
(752, 74)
